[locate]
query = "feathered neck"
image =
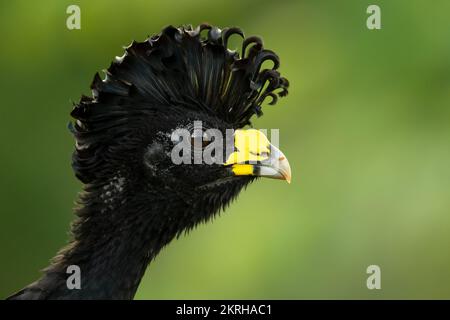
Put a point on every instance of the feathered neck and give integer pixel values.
(117, 234)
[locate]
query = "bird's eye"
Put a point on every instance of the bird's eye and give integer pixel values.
(200, 139)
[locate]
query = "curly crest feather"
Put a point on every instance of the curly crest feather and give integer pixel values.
(176, 67)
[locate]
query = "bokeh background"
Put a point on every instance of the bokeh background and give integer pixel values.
(366, 129)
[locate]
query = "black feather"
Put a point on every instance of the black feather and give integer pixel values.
(176, 67)
(135, 201)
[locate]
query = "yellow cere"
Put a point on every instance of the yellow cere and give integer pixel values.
(250, 145)
(242, 169)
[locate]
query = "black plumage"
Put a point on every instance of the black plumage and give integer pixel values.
(135, 200)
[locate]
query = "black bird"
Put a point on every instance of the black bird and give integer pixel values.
(135, 199)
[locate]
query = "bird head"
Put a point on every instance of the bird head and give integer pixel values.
(172, 116)
(163, 143)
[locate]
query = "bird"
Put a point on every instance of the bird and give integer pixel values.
(134, 199)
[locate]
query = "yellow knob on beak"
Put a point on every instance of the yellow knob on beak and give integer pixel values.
(255, 156)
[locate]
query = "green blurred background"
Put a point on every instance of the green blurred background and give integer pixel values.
(365, 127)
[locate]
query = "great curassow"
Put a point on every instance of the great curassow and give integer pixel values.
(135, 200)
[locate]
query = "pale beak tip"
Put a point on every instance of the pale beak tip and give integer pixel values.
(286, 170)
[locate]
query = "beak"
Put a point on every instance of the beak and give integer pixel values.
(255, 156)
(275, 167)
